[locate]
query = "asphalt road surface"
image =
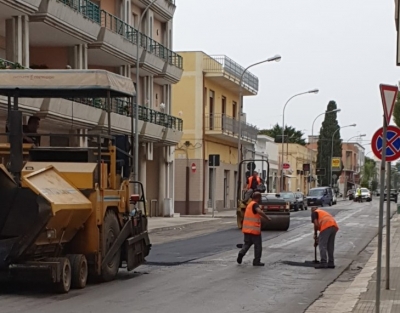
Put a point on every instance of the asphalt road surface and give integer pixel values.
(194, 270)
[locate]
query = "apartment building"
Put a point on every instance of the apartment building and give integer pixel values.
(267, 149)
(295, 177)
(83, 34)
(207, 98)
(353, 156)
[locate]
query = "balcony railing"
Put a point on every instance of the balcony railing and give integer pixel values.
(130, 33)
(87, 8)
(118, 106)
(221, 63)
(229, 126)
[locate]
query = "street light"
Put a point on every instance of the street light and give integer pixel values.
(275, 58)
(136, 105)
(363, 135)
(351, 125)
(312, 136)
(283, 128)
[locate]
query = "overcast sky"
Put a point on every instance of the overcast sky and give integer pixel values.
(345, 48)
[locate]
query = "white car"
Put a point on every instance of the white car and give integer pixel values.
(365, 195)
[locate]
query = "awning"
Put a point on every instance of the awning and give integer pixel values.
(64, 84)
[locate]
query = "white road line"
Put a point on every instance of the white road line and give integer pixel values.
(290, 241)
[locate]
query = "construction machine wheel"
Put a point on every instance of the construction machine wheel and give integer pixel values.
(79, 270)
(278, 223)
(111, 231)
(64, 285)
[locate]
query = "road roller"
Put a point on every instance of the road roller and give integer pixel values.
(67, 212)
(272, 204)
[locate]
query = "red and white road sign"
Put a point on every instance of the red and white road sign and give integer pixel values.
(286, 166)
(193, 167)
(389, 96)
(392, 143)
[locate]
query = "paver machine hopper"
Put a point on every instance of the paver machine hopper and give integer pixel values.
(275, 207)
(67, 212)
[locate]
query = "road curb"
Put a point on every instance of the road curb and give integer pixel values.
(159, 229)
(209, 216)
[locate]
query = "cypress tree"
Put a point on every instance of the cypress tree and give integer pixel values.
(329, 126)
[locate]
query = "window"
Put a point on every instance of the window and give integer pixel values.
(234, 109)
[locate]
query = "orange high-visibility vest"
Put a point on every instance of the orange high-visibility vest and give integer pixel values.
(251, 221)
(325, 220)
(251, 181)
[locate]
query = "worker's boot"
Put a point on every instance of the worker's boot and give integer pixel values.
(321, 266)
(258, 264)
(240, 258)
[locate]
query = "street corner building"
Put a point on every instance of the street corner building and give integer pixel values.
(83, 34)
(207, 99)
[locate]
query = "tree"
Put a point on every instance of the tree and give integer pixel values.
(295, 136)
(396, 111)
(329, 126)
(369, 172)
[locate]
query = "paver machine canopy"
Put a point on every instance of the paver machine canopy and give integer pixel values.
(66, 212)
(274, 207)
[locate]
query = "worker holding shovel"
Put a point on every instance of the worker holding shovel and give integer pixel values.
(326, 225)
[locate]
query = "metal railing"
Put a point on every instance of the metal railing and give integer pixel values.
(223, 64)
(87, 8)
(130, 33)
(229, 126)
(118, 105)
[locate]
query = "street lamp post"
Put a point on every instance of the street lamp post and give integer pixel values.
(330, 175)
(312, 136)
(276, 58)
(283, 129)
(136, 105)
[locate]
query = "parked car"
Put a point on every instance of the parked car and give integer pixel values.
(350, 194)
(393, 195)
(365, 195)
(302, 200)
(291, 198)
(320, 196)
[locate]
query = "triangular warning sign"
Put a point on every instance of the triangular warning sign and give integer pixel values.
(388, 95)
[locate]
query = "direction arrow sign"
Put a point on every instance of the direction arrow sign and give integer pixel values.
(388, 95)
(392, 144)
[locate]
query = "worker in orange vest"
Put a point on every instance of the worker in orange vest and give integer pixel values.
(327, 227)
(252, 184)
(252, 230)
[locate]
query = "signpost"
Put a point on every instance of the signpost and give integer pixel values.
(194, 167)
(382, 142)
(336, 164)
(213, 162)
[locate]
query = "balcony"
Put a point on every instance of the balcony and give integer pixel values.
(164, 8)
(65, 22)
(227, 128)
(119, 39)
(90, 113)
(227, 73)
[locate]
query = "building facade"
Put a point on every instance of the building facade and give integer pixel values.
(295, 178)
(266, 148)
(82, 34)
(207, 98)
(353, 157)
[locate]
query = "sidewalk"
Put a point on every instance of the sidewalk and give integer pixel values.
(167, 223)
(358, 296)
